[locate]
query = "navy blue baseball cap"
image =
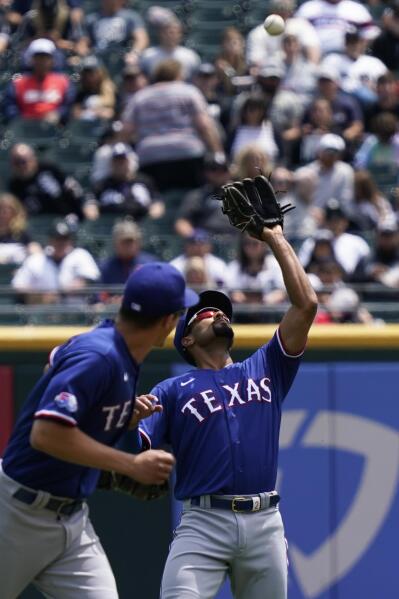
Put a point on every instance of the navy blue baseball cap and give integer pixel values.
(157, 289)
(207, 299)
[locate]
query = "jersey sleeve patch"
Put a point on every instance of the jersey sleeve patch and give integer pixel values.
(284, 351)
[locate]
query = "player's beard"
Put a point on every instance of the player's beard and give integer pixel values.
(223, 330)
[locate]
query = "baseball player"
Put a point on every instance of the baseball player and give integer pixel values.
(67, 430)
(222, 421)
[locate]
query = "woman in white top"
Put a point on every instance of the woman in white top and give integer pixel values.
(254, 128)
(254, 276)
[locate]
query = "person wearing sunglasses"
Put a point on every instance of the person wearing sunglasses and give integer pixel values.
(222, 421)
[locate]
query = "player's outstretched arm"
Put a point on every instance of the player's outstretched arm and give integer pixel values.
(70, 444)
(298, 319)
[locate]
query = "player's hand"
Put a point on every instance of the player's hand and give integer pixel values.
(152, 467)
(144, 407)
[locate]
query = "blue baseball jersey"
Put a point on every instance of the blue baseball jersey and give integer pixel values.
(91, 383)
(223, 425)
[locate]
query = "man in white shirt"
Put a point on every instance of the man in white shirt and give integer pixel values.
(170, 36)
(349, 249)
(261, 47)
(60, 268)
(357, 70)
(199, 244)
(334, 178)
(332, 18)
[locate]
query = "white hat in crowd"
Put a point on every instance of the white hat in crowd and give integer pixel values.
(330, 141)
(41, 46)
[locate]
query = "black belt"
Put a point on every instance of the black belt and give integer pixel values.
(61, 506)
(239, 504)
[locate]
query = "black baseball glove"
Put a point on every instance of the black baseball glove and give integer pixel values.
(252, 204)
(112, 481)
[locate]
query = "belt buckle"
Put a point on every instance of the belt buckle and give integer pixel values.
(233, 504)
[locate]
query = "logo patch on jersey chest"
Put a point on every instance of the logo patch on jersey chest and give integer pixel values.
(67, 401)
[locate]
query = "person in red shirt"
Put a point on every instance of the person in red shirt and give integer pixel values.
(42, 93)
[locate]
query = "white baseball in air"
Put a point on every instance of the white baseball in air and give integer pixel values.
(274, 25)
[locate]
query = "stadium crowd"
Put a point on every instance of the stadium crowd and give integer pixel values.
(119, 126)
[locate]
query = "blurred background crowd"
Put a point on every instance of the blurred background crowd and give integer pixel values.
(121, 120)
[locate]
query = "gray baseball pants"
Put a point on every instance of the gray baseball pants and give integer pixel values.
(62, 557)
(210, 544)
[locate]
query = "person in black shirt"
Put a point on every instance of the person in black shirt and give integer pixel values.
(41, 186)
(386, 45)
(200, 208)
(387, 100)
(126, 192)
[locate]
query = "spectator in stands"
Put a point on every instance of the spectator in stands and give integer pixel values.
(349, 249)
(320, 122)
(230, 62)
(334, 178)
(321, 251)
(261, 47)
(387, 99)
(347, 114)
(254, 276)
(254, 128)
(358, 71)
(379, 153)
(285, 106)
(41, 186)
(101, 166)
(170, 34)
(58, 271)
(200, 208)
(386, 46)
(206, 80)
(298, 189)
(125, 191)
(332, 18)
(43, 93)
(199, 244)
(5, 32)
(382, 265)
(127, 255)
(20, 8)
(95, 94)
(133, 80)
(115, 26)
(369, 208)
(300, 72)
(196, 274)
(52, 19)
(344, 306)
(249, 162)
(15, 242)
(170, 123)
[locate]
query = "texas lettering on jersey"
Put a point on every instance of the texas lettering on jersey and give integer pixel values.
(204, 403)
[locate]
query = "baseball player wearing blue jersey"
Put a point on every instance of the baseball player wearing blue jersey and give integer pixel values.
(222, 421)
(67, 430)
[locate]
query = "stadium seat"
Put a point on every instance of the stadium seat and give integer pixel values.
(214, 11)
(39, 227)
(75, 158)
(6, 274)
(39, 134)
(82, 130)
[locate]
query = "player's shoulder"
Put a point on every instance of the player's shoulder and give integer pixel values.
(98, 344)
